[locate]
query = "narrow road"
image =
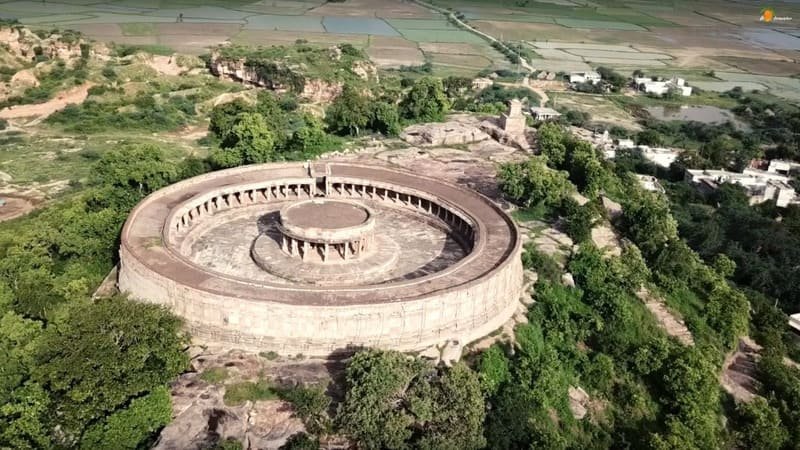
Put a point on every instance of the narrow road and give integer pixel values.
(525, 83)
(75, 95)
(466, 26)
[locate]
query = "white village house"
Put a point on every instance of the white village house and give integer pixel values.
(661, 87)
(761, 186)
(584, 77)
(542, 113)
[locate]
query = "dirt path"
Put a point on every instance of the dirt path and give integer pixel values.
(15, 207)
(522, 61)
(738, 371)
(525, 83)
(75, 95)
(666, 319)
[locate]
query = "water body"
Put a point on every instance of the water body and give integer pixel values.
(704, 114)
(772, 39)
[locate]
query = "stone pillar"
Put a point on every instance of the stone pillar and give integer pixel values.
(346, 250)
(305, 250)
(284, 243)
(325, 252)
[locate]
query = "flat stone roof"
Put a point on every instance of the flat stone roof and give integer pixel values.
(497, 238)
(327, 214)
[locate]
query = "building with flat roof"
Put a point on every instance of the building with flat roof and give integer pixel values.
(649, 183)
(590, 77)
(761, 186)
(783, 167)
(661, 87)
(542, 113)
(659, 156)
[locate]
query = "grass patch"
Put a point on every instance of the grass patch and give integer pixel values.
(154, 49)
(529, 214)
(214, 375)
(138, 29)
(271, 356)
(238, 393)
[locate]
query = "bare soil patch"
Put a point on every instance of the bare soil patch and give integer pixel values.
(198, 29)
(762, 66)
(16, 207)
(461, 61)
(386, 57)
(394, 52)
(451, 48)
(267, 37)
(75, 95)
(98, 29)
(391, 9)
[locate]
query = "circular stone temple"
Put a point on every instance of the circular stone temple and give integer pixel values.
(319, 230)
(319, 258)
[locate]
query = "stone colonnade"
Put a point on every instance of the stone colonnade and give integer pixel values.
(456, 222)
(345, 250)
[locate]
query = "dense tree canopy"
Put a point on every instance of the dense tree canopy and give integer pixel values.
(395, 402)
(426, 101)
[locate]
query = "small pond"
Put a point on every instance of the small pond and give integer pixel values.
(704, 114)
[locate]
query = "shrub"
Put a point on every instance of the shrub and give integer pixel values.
(543, 264)
(214, 375)
(238, 393)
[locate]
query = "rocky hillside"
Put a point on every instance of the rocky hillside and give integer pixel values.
(316, 74)
(34, 65)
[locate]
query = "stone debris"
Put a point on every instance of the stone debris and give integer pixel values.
(578, 402)
(673, 325)
(604, 237)
(568, 280)
(613, 208)
(553, 242)
(202, 419)
(447, 133)
(739, 369)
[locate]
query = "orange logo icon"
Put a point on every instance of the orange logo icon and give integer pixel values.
(767, 15)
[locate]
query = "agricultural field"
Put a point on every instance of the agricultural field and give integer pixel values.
(393, 33)
(568, 35)
(603, 110)
(554, 54)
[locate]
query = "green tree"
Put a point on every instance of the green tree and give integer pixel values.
(647, 221)
(448, 409)
(650, 137)
(551, 141)
(493, 369)
(426, 101)
(578, 220)
(385, 119)
(129, 428)
(349, 113)
(311, 406)
(17, 336)
(23, 418)
(374, 381)
(96, 358)
(300, 441)
(133, 171)
(532, 182)
(250, 140)
(223, 116)
(394, 402)
(310, 138)
(758, 426)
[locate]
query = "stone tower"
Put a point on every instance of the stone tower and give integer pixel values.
(513, 122)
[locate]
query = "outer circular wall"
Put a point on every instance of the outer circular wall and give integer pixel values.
(463, 302)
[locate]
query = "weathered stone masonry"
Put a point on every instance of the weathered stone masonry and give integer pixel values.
(465, 301)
